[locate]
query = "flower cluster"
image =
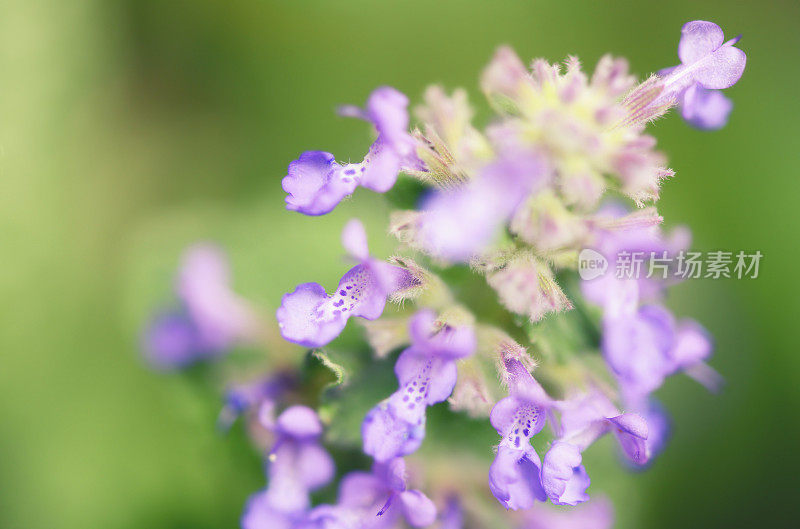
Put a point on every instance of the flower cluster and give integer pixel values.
(516, 202)
(426, 373)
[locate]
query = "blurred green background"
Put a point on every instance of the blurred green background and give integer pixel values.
(129, 128)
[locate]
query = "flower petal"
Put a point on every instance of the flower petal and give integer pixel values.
(705, 109)
(698, 39)
(563, 477)
(299, 319)
(693, 344)
(460, 223)
(503, 414)
(630, 429)
(721, 69)
(386, 435)
(359, 489)
(315, 466)
(299, 422)
(515, 478)
(316, 183)
(418, 509)
(387, 109)
(259, 514)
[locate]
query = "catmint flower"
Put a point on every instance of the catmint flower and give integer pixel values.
(316, 183)
(645, 347)
(297, 462)
(426, 373)
(563, 477)
(707, 63)
(596, 514)
(515, 474)
(460, 223)
(618, 233)
(212, 318)
(516, 201)
(297, 465)
(310, 317)
(587, 417)
(375, 500)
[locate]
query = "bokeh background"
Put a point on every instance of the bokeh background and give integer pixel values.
(130, 128)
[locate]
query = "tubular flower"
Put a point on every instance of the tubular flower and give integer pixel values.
(515, 476)
(426, 373)
(312, 318)
(297, 466)
(316, 183)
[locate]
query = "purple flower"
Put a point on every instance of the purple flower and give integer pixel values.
(707, 64)
(563, 477)
(587, 417)
(596, 514)
(630, 233)
(515, 474)
(297, 466)
(515, 477)
(460, 223)
(316, 183)
(375, 500)
(312, 318)
(706, 59)
(705, 109)
(645, 347)
(297, 462)
(212, 318)
(426, 373)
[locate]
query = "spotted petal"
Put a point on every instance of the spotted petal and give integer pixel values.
(424, 379)
(386, 435)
